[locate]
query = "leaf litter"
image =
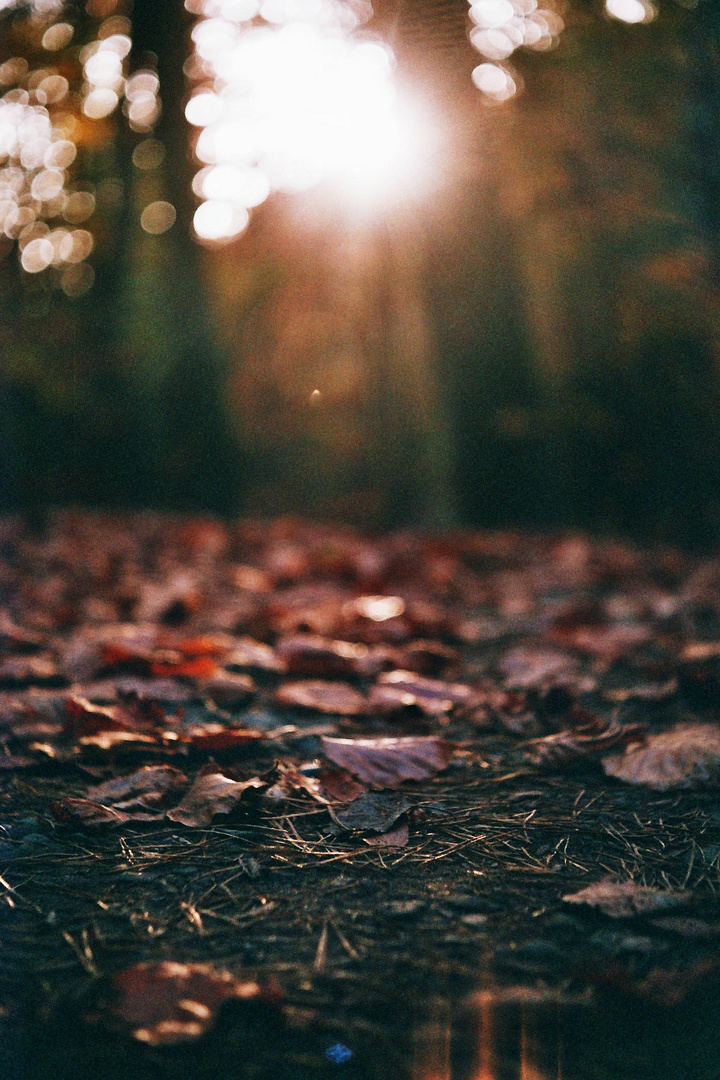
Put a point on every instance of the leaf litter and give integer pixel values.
(528, 714)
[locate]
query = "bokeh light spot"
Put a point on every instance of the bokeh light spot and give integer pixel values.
(158, 217)
(57, 36)
(37, 255)
(148, 154)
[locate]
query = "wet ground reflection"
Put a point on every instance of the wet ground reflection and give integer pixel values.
(485, 1039)
(515, 1034)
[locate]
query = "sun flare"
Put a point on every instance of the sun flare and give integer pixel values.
(289, 98)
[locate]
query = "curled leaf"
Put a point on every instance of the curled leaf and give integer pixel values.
(212, 793)
(228, 690)
(582, 744)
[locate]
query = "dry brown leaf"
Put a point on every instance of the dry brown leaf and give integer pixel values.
(85, 718)
(687, 756)
(148, 786)
(247, 652)
(228, 689)
(309, 654)
(395, 839)
(584, 743)
(375, 811)
(387, 762)
(325, 697)
(165, 1003)
(431, 696)
(89, 812)
(212, 793)
(626, 899)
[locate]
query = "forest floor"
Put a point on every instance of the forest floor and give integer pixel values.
(367, 777)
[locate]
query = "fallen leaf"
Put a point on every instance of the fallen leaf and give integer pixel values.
(687, 756)
(148, 786)
(582, 744)
(337, 785)
(20, 671)
(430, 658)
(432, 696)
(626, 899)
(88, 812)
(167, 1002)
(292, 781)
(216, 736)
(395, 839)
(216, 645)
(211, 794)
(194, 667)
(247, 652)
(114, 740)
(387, 762)
(326, 697)
(228, 690)
(375, 811)
(309, 654)
(88, 719)
(527, 666)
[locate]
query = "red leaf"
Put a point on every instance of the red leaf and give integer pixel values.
(199, 667)
(216, 645)
(211, 794)
(164, 1003)
(337, 785)
(135, 714)
(386, 762)
(326, 697)
(212, 737)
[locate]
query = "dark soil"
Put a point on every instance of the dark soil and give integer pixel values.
(449, 955)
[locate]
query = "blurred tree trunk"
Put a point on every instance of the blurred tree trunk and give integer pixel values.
(187, 453)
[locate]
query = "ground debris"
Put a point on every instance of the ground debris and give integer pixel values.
(627, 899)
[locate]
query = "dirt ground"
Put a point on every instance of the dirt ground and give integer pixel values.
(392, 948)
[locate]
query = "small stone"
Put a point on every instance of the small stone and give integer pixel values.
(24, 826)
(37, 840)
(403, 909)
(475, 920)
(467, 902)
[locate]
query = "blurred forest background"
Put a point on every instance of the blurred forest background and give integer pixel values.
(534, 342)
